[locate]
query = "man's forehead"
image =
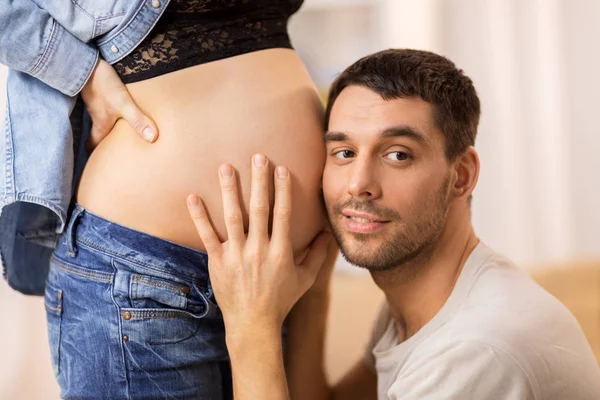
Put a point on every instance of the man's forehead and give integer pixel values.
(358, 111)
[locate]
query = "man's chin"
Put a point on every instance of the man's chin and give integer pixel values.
(363, 260)
(360, 254)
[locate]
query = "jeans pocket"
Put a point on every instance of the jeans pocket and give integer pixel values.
(173, 298)
(53, 301)
(148, 291)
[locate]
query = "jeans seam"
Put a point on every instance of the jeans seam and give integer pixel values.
(140, 314)
(78, 271)
(47, 50)
(155, 268)
(120, 324)
(10, 155)
(144, 281)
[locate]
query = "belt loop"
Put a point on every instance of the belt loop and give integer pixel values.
(211, 310)
(71, 230)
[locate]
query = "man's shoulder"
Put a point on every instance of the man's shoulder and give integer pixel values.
(508, 314)
(505, 307)
(502, 295)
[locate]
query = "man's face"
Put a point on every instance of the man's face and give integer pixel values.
(386, 179)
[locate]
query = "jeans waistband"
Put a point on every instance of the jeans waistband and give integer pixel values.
(100, 234)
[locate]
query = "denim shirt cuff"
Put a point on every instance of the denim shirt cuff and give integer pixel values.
(67, 62)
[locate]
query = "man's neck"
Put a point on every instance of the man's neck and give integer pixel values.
(417, 290)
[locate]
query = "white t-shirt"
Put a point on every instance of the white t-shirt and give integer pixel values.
(499, 336)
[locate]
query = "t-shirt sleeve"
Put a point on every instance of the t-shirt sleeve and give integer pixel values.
(461, 370)
(379, 326)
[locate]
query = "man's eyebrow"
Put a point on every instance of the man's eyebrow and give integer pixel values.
(396, 131)
(335, 137)
(404, 131)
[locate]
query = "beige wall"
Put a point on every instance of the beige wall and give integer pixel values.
(25, 368)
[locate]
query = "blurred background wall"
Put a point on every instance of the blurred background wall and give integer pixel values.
(534, 64)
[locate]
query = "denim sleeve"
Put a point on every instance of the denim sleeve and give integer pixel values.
(31, 41)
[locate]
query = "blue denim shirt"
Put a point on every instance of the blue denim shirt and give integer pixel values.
(51, 48)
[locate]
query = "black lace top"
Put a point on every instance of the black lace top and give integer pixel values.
(192, 32)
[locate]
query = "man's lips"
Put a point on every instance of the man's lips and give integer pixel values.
(362, 222)
(362, 216)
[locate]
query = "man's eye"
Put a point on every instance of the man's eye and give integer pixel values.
(397, 156)
(343, 154)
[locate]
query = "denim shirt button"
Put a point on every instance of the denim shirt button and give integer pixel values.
(155, 3)
(114, 49)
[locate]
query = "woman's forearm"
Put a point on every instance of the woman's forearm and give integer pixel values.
(257, 364)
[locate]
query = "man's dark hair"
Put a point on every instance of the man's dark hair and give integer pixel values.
(402, 73)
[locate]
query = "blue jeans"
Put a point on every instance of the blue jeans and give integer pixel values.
(132, 316)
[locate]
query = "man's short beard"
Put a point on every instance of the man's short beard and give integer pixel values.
(403, 246)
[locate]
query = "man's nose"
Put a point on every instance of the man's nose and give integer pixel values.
(363, 180)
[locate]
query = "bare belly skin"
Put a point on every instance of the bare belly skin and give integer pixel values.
(223, 111)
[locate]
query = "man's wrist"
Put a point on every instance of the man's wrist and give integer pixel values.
(241, 336)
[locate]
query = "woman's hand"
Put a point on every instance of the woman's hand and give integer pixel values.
(107, 99)
(254, 278)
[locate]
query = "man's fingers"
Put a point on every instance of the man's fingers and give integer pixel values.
(142, 124)
(232, 212)
(282, 212)
(204, 226)
(259, 199)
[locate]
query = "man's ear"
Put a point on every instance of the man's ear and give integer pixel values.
(466, 172)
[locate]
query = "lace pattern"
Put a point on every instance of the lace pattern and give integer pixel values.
(192, 32)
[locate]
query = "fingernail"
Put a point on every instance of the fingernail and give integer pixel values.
(281, 172)
(148, 134)
(226, 171)
(260, 160)
(193, 200)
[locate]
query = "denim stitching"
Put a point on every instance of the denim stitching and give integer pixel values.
(121, 342)
(118, 35)
(98, 276)
(10, 173)
(40, 201)
(147, 281)
(135, 15)
(82, 9)
(137, 262)
(110, 16)
(161, 314)
(97, 16)
(86, 78)
(47, 49)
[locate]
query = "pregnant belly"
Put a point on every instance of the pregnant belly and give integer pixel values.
(204, 122)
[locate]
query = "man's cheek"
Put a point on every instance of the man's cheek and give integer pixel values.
(329, 187)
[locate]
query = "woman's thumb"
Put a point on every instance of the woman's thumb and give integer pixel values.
(142, 124)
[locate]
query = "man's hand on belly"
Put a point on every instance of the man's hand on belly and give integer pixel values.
(254, 277)
(107, 100)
